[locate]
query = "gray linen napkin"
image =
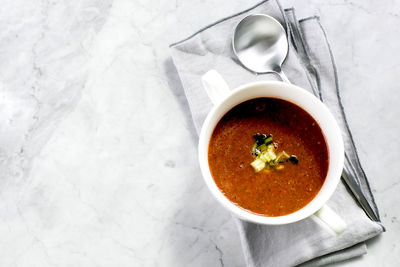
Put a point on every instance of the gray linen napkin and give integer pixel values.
(310, 65)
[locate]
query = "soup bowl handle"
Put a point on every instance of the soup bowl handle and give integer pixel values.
(216, 87)
(330, 220)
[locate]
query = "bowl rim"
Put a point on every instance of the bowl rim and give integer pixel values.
(334, 142)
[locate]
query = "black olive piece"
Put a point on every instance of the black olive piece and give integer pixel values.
(293, 159)
(260, 138)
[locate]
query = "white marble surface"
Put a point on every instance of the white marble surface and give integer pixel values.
(97, 151)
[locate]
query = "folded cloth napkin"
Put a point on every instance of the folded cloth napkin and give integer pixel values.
(310, 65)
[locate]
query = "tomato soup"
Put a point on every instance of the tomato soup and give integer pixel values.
(283, 184)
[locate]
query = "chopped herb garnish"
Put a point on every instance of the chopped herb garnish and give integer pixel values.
(258, 164)
(282, 157)
(266, 158)
(268, 140)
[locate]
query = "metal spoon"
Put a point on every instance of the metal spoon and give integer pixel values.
(260, 44)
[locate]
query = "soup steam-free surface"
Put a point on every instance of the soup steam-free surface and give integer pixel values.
(273, 192)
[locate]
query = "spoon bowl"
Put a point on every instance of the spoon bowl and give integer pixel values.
(260, 44)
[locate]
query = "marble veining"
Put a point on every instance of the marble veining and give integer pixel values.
(98, 155)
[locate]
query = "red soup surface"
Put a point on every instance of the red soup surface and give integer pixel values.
(270, 192)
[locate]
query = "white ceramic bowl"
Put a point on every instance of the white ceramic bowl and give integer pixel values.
(225, 100)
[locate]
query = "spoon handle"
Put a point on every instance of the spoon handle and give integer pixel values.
(282, 76)
(358, 194)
